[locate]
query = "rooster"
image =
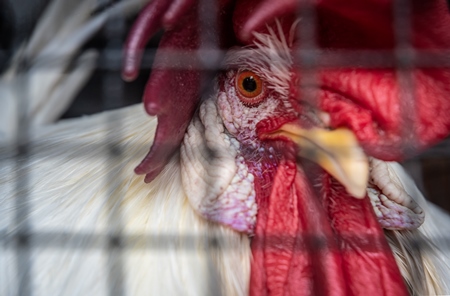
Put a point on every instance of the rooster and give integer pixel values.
(235, 200)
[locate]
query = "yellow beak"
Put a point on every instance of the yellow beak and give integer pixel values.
(336, 151)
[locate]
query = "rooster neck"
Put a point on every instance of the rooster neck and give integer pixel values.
(263, 159)
(347, 248)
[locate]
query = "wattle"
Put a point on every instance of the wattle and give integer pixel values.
(310, 242)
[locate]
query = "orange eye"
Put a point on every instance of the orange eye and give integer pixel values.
(250, 88)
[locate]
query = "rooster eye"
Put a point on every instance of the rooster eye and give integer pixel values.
(250, 88)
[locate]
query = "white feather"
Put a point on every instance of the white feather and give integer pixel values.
(45, 74)
(74, 187)
(423, 255)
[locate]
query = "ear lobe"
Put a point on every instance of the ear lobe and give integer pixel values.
(207, 159)
(393, 206)
(216, 188)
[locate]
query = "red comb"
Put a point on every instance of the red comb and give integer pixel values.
(172, 94)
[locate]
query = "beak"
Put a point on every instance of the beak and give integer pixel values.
(336, 151)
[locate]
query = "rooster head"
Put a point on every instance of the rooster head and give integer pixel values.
(240, 168)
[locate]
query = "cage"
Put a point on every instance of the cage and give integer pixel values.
(102, 89)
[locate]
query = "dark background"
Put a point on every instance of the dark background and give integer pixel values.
(431, 169)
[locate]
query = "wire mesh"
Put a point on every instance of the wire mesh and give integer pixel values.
(310, 59)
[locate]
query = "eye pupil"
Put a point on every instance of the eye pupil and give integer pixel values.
(249, 84)
(249, 88)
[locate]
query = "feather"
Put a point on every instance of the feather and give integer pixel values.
(423, 254)
(76, 194)
(45, 74)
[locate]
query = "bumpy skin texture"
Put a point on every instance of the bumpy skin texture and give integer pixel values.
(223, 160)
(324, 243)
(393, 206)
(215, 176)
